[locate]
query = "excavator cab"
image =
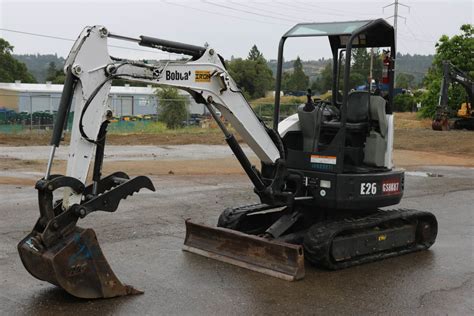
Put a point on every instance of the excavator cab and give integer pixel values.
(341, 152)
(343, 147)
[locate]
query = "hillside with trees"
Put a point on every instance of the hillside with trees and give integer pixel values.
(10, 68)
(312, 68)
(412, 69)
(39, 65)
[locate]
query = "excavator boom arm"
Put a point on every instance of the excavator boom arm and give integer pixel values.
(204, 77)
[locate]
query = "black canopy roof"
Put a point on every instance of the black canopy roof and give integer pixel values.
(367, 33)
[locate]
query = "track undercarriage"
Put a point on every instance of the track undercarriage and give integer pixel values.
(335, 240)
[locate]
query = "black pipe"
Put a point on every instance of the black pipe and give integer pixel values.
(172, 47)
(99, 152)
(64, 106)
(276, 109)
(245, 163)
(335, 76)
(391, 78)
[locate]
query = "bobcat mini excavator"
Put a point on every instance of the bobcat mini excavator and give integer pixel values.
(325, 171)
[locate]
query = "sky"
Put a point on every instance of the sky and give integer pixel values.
(231, 27)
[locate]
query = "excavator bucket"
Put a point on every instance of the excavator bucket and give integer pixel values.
(75, 264)
(271, 257)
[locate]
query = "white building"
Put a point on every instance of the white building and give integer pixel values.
(124, 100)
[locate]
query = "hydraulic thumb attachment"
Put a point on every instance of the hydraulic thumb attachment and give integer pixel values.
(59, 252)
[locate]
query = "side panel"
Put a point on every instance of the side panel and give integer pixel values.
(354, 191)
(389, 151)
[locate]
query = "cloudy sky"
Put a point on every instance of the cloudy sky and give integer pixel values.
(229, 26)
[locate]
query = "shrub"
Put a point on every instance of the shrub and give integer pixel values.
(173, 107)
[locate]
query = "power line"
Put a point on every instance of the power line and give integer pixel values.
(293, 6)
(266, 10)
(347, 12)
(245, 11)
(73, 40)
(416, 37)
(219, 13)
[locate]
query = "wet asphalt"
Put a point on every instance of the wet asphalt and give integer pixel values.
(142, 241)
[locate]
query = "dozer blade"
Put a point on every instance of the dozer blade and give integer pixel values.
(271, 257)
(76, 264)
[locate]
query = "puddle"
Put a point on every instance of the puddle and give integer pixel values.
(423, 174)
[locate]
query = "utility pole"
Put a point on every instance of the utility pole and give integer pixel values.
(371, 68)
(395, 17)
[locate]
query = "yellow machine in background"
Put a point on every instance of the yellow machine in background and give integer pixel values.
(465, 115)
(465, 111)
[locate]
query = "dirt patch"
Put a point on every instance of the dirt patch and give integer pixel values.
(17, 181)
(225, 166)
(25, 139)
(409, 159)
(13, 163)
(209, 137)
(409, 120)
(452, 142)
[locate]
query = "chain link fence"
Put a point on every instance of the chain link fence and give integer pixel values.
(124, 119)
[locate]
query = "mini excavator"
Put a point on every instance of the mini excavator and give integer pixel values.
(465, 115)
(326, 172)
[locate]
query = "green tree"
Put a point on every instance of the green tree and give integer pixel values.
(324, 82)
(297, 80)
(360, 68)
(404, 103)
(252, 75)
(173, 107)
(10, 68)
(55, 75)
(405, 81)
(254, 54)
(459, 50)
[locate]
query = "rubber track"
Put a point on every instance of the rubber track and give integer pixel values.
(318, 240)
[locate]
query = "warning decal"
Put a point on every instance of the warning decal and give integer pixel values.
(329, 160)
(203, 76)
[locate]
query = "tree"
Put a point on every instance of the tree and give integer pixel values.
(324, 82)
(404, 102)
(55, 75)
(297, 80)
(10, 68)
(360, 68)
(254, 53)
(252, 75)
(459, 50)
(173, 107)
(405, 81)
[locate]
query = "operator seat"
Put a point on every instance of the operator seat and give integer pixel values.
(376, 143)
(310, 117)
(357, 112)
